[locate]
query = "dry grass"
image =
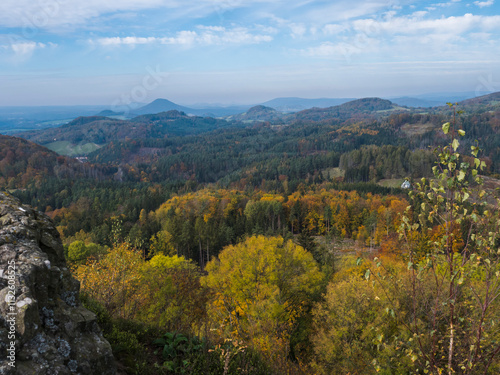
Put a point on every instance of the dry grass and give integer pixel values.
(416, 129)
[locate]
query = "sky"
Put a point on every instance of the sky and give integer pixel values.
(116, 52)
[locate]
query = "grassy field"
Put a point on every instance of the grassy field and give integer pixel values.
(53, 123)
(69, 149)
(417, 129)
(391, 182)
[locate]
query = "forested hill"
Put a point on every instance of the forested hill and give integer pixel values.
(86, 134)
(171, 146)
(161, 105)
(258, 113)
(482, 103)
(354, 108)
(378, 141)
(99, 130)
(24, 163)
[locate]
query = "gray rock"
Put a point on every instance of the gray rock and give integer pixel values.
(43, 327)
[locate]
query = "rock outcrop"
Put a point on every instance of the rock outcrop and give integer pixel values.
(43, 327)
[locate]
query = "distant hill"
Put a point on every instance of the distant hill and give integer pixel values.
(489, 100)
(23, 162)
(445, 97)
(162, 105)
(93, 129)
(293, 104)
(367, 105)
(416, 103)
(82, 120)
(258, 113)
(16, 119)
(85, 134)
(285, 105)
(363, 107)
(161, 116)
(109, 113)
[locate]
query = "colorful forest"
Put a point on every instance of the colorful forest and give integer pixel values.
(319, 281)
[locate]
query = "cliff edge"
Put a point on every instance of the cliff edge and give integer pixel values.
(43, 327)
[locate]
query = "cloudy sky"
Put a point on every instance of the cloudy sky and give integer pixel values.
(112, 52)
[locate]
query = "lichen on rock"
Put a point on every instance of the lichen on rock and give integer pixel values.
(43, 327)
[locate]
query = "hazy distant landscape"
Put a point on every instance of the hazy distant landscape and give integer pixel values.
(16, 119)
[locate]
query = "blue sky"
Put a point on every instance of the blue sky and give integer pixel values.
(111, 52)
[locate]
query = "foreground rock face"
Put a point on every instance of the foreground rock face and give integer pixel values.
(43, 327)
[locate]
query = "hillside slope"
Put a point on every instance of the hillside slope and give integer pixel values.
(23, 163)
(98, 130)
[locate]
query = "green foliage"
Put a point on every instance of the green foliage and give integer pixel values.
(190, 355)
(103, 316)
(131, 344)
(161, 243)
(180, 353)
(113, 280)
(128, 340)
(353, 330)
(457, 333)
(171, 294)
(372, 163)
(123, 341)
(79, 252)
(176, 348)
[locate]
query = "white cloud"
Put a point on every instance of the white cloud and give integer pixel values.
(447, 4)
(412, 35)
(333, 29)
(209, 35)
(211, 28)
(129, 40)
(64, 14)
(420, 13)
(183, 38)
(24, 49)
(345, 10)
(326, 49)
(266, 29)
(341, 50)
(417, 25)
(482, 4)
(481, 36)
(298, 30)
(54, 13)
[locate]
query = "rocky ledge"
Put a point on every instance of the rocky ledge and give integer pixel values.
(43, 327)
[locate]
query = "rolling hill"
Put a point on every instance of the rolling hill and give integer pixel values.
(293, 104)
(258, 113)
(415, 102)
(162, 105)
(489, 100)
(355, 108)
(86, 134)
(23, 163)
